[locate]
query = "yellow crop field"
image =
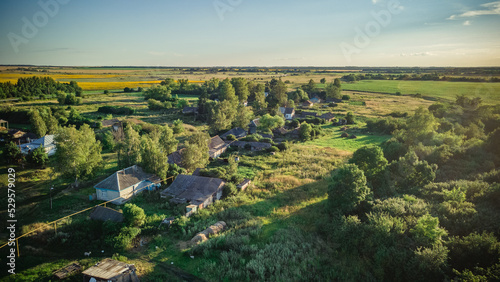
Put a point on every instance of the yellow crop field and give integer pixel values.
(116, 85)
(12, 77)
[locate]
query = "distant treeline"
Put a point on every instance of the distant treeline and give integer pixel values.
(36, 86)
(422, 77)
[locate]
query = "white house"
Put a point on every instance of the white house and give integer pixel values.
(289, 113)
(47, 142)
(126, 183)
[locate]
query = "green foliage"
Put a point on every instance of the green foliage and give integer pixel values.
(371, 160)
(107, 140)
(124, 240)
(134, 216)
(347, 188)
(115, 110)
(196, 153)
(229, 190)
(156, 105)
(427, 230)
(154, 158)
(273, 149)
(283, 146)
(305, 132)
(37, 123)
(346, 97)
(349, 117)
(409, 172)
(13, 153)
(129, 150)
(160, 93)
(268, 122)
(231, 137)
(78, 153)
(178, 126)
(38, 158)
(476, 250)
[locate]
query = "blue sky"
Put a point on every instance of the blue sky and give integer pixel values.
(250, 33)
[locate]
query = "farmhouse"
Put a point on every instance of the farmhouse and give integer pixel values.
(176, 157)
(104, 213)
(190, 110)
(216, 147)
(47, 142)
(111, 270)
(198, 191)
(289, 113)
(237, 132)
(307, 104)
(328, 116)
(125, 183)
(252, 127)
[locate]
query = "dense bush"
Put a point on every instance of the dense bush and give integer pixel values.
(116, 110)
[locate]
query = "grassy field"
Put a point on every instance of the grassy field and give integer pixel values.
(489, 92)
(332, 139)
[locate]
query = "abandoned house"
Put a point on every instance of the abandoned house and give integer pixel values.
(238, 132)
(111, 270)
(216, 147)
(125, 183)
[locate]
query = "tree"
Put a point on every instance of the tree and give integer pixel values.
(78, 153)
(420, 127)
(257, 93)
(243, 117)
(13, 153)
(160, 93)
(268, 122)
(277, 95)
(311, 85)
(347, 188)
(227, 93)
(333, 91)
(241, 88)
(427, 230)
(38, 157)
(195, 155)
(409, 172)
(305, 131)
(178, 126)
(229, 190)
(323, 80)
(37, 122)
(129, 151)
(370, 159)
(153, 158)
(134, 216)
(349, 117)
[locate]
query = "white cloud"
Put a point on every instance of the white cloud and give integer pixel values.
(492, 8)
(467, 23)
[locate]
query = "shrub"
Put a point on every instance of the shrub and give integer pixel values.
(178, 128)
(133, 215)
(231, 137)
(346, 97)
(106, 91)
(229, 190)
(283, 146)
(273, 149)
(115, 110)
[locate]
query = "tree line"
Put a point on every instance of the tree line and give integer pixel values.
(29, 87)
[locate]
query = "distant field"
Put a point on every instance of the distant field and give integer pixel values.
(489, 92)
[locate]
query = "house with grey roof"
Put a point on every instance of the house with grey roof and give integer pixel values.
(197, 191)
(252, 127)
(47, 142)
(238, 132)
(289, 113)
(126, 183)
(216, 147)
(105, 213)
(176, 157)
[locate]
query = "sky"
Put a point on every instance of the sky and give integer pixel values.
(199, 33)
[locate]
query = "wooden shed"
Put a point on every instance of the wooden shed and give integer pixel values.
(111, 270)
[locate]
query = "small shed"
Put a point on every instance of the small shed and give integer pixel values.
(243, 185)
(111, 270)
(104, 213)
(68, 270)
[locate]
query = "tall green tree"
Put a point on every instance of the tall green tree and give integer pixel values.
(243, 117)
(333, 91)
(134, 216)
(257, 93)
(154, 158)
(268, 122)
(227, 93)
(277, 94)
(195, 154)
(37, 123)
(78, 152)
(129, 150)
(13, 153)
(305, 131)
(347, 188)
(38, 158)
(241, 88)
(167, 139)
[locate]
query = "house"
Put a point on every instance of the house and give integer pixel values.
(307, 114)
(111, 270)
(289, 113)
(216, 147)
(243, 185)
(125, 183)
(190, 110)
(47, 142)
(328, 116)
(333, 100)
(307, 104)
(176, 157)
(280, 131)
(4, 125)
(198, 191)
(103, 213)
(252, 127)
(315, 100)
(238, 132)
